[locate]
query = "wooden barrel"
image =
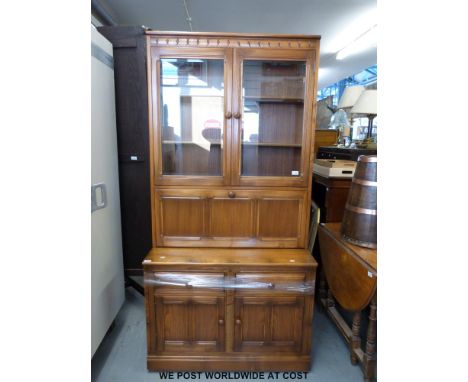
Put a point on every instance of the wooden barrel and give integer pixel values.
(359, 225)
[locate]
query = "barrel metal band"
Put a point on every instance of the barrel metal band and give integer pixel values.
(365, 182)
(361, 210)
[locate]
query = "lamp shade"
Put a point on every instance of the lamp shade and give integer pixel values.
(350, 96)
(366, 104)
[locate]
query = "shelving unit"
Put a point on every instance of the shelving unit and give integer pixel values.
(231, 193)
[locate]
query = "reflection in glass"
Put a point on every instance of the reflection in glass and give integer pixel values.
(192, 103)
(273, 108)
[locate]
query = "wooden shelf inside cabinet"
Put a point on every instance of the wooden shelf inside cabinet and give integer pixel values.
(266, 144)
(273, 99)
(187, 143)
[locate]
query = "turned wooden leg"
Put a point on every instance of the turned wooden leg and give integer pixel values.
(330, 299)
(355, 342)
(370, 355)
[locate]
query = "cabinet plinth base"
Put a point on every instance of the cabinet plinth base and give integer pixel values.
(229, 363)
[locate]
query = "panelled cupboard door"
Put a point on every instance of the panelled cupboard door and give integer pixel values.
(191, 115)
(231, 217)
(187, 323)
(268, 323)
(274, 105)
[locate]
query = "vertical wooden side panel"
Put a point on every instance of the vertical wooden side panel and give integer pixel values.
(150, 84)
(314, 67)
(307, 318)
(229, 317)
(228, 108)
(150, 321)
(236, 108)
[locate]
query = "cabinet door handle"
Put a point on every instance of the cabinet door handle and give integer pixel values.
(231, 194)
(237, 115)
(228, 115)
(221, 321)
(238, 322)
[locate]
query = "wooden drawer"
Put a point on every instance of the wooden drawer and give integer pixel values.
(231, 218)
(276, 282)
(185, 282)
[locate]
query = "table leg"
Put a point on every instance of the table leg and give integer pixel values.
(330, 299)
(370, 355)
(355, 342)
(322, 286)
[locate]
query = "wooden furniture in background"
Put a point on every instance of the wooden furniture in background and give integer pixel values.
(334, 152)
(324, 138)
(351, 281)
(231, 144)
(131, 101)
(330, 194)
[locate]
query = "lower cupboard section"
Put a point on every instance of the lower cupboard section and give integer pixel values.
(203, 332)
(229, 309)
(192, 328)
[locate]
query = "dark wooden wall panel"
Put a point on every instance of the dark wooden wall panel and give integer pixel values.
(131, 100)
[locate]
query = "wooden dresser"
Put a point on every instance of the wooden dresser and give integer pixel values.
(229, 282)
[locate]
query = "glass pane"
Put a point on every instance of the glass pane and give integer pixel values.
(273, 108)
(192, 103)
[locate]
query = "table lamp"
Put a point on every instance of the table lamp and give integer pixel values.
(348, 99)
(367, 105)
(350, 96)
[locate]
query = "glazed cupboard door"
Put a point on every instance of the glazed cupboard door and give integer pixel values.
(273, 117)
(191, 115)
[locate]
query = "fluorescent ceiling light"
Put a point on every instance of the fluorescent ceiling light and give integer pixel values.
(362, 42)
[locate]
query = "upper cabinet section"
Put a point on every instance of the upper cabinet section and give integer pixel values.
(232, 110)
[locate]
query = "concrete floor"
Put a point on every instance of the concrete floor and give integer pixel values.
(122, 354)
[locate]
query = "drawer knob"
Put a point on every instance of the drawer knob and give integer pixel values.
(228, 115)
(221, 321)
(238, 322)
(231, 194)
(237, 115)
